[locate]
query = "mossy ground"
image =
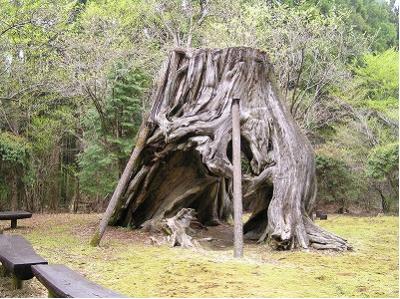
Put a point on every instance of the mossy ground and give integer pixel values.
(127, 263)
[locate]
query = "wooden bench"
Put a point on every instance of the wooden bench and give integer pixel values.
(321, 215)
(14, 216)
(62, 282)
(17, 256)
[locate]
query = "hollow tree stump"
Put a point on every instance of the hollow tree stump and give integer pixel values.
(186, 162)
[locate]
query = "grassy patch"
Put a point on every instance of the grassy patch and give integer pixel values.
(126, 262)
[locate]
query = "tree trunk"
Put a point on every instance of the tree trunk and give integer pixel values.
(186, 161)
(237, 180)
(384, 200)
(77, 196)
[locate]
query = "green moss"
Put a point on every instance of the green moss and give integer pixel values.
(139, 270)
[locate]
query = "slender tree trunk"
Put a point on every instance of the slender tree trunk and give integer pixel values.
(237, 180)
(77, 196)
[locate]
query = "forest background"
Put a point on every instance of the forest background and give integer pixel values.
(76, 78)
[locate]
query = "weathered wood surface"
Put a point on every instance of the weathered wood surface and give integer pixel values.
(17, 256)
(62, 282)
(10, 215)
(186, 160)
(177, 227)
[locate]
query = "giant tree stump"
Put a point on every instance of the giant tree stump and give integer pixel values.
(186, 163)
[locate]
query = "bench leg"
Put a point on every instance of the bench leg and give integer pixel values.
(17, 283)
(14, 223)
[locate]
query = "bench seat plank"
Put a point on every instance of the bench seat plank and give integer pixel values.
(12, 215)
(17, 256)
(63, 282)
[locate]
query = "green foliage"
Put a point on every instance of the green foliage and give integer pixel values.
(4, 190)
(123, 109)
(383, 167)
(336, 182)
(310, 52)
(98, 173)
(377, 82)
(111, 131)
(375, 18)
(383, 161)
(14, 150)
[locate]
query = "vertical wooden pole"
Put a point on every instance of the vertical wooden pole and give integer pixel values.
(17, 283)
(237, 180)
(13, 223)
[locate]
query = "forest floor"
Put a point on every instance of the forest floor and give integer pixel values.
(127, 263)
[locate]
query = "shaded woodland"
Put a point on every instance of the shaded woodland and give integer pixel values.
(77, 78)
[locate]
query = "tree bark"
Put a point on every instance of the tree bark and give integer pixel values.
(185, 161)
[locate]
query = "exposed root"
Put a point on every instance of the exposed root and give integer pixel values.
(322, 239)
(306, 234)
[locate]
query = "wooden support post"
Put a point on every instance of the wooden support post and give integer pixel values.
(13, 223)
(237, 180)
(17, 283)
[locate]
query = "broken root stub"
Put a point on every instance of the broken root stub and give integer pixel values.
(178, 225)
